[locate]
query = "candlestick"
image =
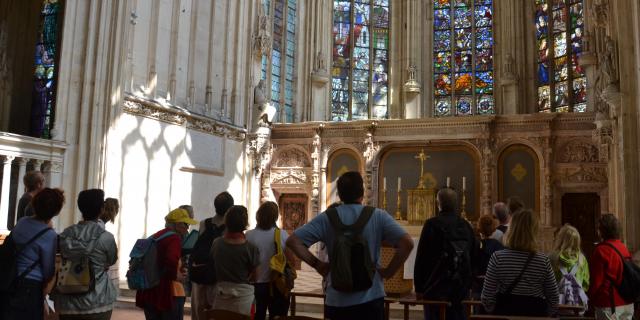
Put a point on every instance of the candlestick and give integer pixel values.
(384, 199)
(448, 182)
(384, 184)
(399, 184)
(399, 202)
(464, 183)
(463, 212)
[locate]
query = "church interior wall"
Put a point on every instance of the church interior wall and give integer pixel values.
(160, 166)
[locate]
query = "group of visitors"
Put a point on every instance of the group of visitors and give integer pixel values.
(236, 272)
(82, 287)
(497, 261)
(507, 270)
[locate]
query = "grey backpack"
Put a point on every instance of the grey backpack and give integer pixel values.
(351, 266)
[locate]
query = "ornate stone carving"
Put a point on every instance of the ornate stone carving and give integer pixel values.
(291, 176)
(509, 72)
(600, 13)
(412, 85)
(262, 38)
(155, 111)
(584, 174)
(292, 158)
(139, 109)
(579, 152)
(260, 150)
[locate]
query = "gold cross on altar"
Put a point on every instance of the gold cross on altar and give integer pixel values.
(422, 157)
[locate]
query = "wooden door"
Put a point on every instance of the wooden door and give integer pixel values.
(293, 208)
(582, 210)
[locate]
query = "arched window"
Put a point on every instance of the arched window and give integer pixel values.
(359, 76)
(46, 57)
(280, 72)
(463, 57)
(562, 85)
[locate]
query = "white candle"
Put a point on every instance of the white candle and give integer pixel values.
(399, 183)
(384, 184)
(448, 182)
(464, 183)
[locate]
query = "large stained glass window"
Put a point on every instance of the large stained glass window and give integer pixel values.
(562, 84)
(278, 71)
(46, 54)
(359, 75)
(463, 57)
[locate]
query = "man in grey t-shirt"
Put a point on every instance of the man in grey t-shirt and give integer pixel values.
(33, 183)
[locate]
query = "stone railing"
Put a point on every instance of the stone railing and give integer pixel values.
(19, 155)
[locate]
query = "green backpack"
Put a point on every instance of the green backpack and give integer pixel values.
(351, 266)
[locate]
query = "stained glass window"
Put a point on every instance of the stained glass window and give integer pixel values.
(279, 69)
(45, 70)
(463, 57)
(360, 71)
(562, 84)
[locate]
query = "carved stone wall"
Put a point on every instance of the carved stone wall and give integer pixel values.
(562, 142)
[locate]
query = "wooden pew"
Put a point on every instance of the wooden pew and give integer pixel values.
(318, 293)
(410, 300)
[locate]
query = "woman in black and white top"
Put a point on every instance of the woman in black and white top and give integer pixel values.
(519, 280)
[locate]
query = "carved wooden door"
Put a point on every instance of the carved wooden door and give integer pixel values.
(293, 208)
(582, 210)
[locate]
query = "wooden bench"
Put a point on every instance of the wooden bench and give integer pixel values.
(566, 311)
(410, 300)
(318, 293)
(493, 317)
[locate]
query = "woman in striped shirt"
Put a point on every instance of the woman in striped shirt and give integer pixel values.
(519, 280)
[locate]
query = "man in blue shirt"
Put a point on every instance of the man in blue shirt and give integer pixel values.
(365, 304)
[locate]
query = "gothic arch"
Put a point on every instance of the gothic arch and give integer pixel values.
(291, 156)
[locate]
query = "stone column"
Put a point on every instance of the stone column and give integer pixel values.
(4, 192)
(37, 165)
(22, 168)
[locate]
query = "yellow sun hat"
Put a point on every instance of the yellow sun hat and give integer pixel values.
(179, 216)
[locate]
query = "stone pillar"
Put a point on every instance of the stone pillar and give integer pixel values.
(22, 168)
(37, 165)
(4, 192)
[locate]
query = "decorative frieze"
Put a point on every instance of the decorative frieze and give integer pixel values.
(154, 110)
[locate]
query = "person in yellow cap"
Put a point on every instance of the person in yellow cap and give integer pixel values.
(166, 300)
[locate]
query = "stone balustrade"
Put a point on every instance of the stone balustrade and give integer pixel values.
(19, 155)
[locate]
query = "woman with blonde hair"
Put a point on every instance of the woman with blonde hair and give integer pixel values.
(570, 267)
(519, 279)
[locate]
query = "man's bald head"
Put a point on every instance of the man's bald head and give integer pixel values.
(447, 200)
(501, 211)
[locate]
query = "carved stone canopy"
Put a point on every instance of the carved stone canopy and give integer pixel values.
(292, 158)
(579, 152)
(291, 176)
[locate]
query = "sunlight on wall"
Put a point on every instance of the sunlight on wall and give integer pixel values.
(144, 163)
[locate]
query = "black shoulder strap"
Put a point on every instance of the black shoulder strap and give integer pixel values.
(616, 250)
(35, 263)
(363, 219)
(332, 214)
(34, 238)
(515, 282)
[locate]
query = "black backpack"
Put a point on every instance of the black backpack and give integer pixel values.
(351, 266)
(452, 276)
(201, 264)
(629, 288)
(9, 253)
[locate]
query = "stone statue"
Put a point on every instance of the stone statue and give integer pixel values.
(263, 109)
(262, 39)
(509, 64)
(320, 63)
(608, 63)
(600, 13)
